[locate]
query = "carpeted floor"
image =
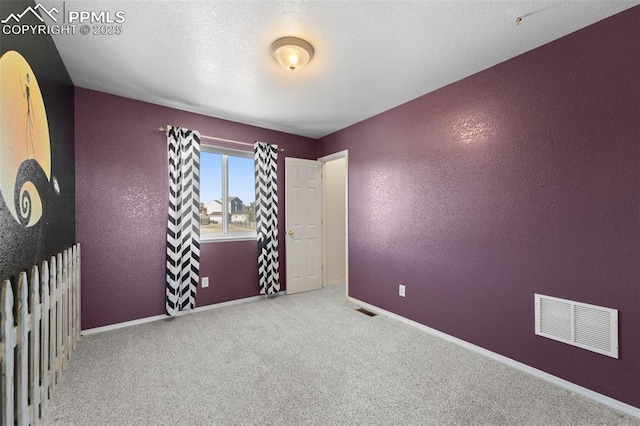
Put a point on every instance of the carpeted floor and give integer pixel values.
(306, 359)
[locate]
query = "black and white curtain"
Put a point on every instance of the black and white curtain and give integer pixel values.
(266, 167)
(183, 225)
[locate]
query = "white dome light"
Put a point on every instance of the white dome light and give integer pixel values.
(292, 53)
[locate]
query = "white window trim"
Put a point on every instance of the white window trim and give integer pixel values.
(225, 236)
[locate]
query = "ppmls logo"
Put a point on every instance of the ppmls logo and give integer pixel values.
(103, 22)
(34, 12)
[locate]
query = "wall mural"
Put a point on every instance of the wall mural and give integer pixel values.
(25, 164)
(37, 167)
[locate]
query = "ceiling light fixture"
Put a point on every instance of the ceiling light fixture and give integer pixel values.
(291, 52)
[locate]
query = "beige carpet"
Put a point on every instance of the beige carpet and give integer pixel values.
(307, 359)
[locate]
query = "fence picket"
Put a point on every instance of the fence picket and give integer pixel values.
(22, 353)
(65, 308)
(74, 300)
(7, 343)
(34, 346)
(39, 328)
(44, 333)
(68, 304)
(53, 273)
(59, 310)
(78, 287)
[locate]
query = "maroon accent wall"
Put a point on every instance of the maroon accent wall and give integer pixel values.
(121, 208)
(521, 179)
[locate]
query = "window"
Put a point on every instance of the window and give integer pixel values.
(227, 194)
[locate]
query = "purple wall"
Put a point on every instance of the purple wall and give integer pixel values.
(121, 208)
(521, 179)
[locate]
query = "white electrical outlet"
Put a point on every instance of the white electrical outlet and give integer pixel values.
(205, 282)
(401, 291)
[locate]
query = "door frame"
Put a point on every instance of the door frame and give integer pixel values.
(341, 154)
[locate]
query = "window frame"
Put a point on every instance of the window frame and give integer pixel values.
(224, 235)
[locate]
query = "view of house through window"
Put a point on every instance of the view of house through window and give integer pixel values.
(227, 193)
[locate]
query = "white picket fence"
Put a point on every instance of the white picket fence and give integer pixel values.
(37, 334)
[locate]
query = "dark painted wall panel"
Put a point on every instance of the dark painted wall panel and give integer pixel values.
(122, 208)
(521, 179)
(22, 246)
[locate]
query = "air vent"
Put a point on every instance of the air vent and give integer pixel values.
(586, 326)
(366, 312)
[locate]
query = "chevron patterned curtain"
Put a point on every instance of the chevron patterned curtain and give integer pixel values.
(183, 225)
(266, 167)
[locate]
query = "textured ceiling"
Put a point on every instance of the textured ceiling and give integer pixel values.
(212, 57)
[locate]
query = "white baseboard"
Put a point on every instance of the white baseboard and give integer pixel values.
(598, 397)
(190, 311)
(334, 282)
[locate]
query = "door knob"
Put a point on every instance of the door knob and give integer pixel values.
(290, 233)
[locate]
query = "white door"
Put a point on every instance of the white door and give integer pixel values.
(303, 185)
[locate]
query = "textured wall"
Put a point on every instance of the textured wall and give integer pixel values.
(523, 178)
(122, 208)
(22, 246)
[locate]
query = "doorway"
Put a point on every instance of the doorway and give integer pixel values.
(335, 219)
(316, 221)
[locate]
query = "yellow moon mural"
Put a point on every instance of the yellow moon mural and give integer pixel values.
(25, 150)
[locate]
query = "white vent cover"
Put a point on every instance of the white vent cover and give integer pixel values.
(586, 326)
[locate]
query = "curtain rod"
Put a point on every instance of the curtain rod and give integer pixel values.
(218, 139)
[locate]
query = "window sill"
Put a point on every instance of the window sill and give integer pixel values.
(228, 238)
